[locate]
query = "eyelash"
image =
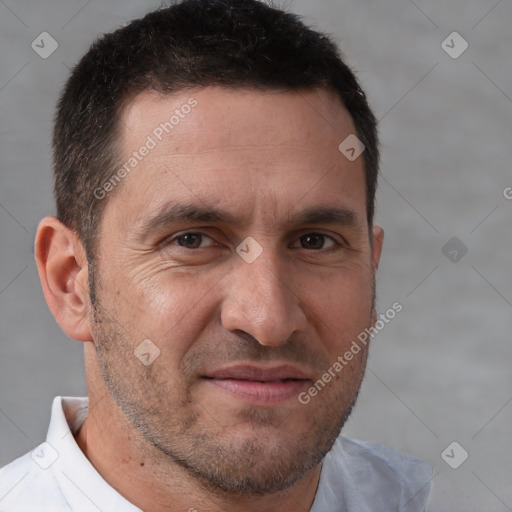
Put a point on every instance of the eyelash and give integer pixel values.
(170, 241)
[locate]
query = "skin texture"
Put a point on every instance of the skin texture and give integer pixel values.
(161, 434)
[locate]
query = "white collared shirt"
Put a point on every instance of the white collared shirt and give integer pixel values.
(56, 476)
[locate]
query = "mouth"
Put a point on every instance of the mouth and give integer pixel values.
(259, 384)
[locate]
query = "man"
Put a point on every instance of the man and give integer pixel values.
(214, 248)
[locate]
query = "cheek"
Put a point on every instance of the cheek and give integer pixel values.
(171, 308)
(342, 308)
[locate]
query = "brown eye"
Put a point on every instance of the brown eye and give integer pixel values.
(313, 241)
(190, 240)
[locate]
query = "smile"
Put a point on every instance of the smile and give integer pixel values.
(258, 384)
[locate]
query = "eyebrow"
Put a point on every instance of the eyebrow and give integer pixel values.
(325, 215)
(173, 213)
(184, 212)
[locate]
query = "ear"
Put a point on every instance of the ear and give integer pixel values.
(63, 270)
(377, 241)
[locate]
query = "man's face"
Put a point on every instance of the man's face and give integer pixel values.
(243, 326)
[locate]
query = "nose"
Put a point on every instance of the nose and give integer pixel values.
(260, 300)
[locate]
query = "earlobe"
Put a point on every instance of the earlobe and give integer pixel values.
(62, 266)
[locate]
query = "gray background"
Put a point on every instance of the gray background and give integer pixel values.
(441, 370)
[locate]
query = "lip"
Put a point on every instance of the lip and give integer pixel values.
(257, 384)
(258, 373)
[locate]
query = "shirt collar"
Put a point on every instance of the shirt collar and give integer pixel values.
(360, 476)
(356, 476)
(79, 481)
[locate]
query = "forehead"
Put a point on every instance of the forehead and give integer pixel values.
(200, 119)
(246, 149)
